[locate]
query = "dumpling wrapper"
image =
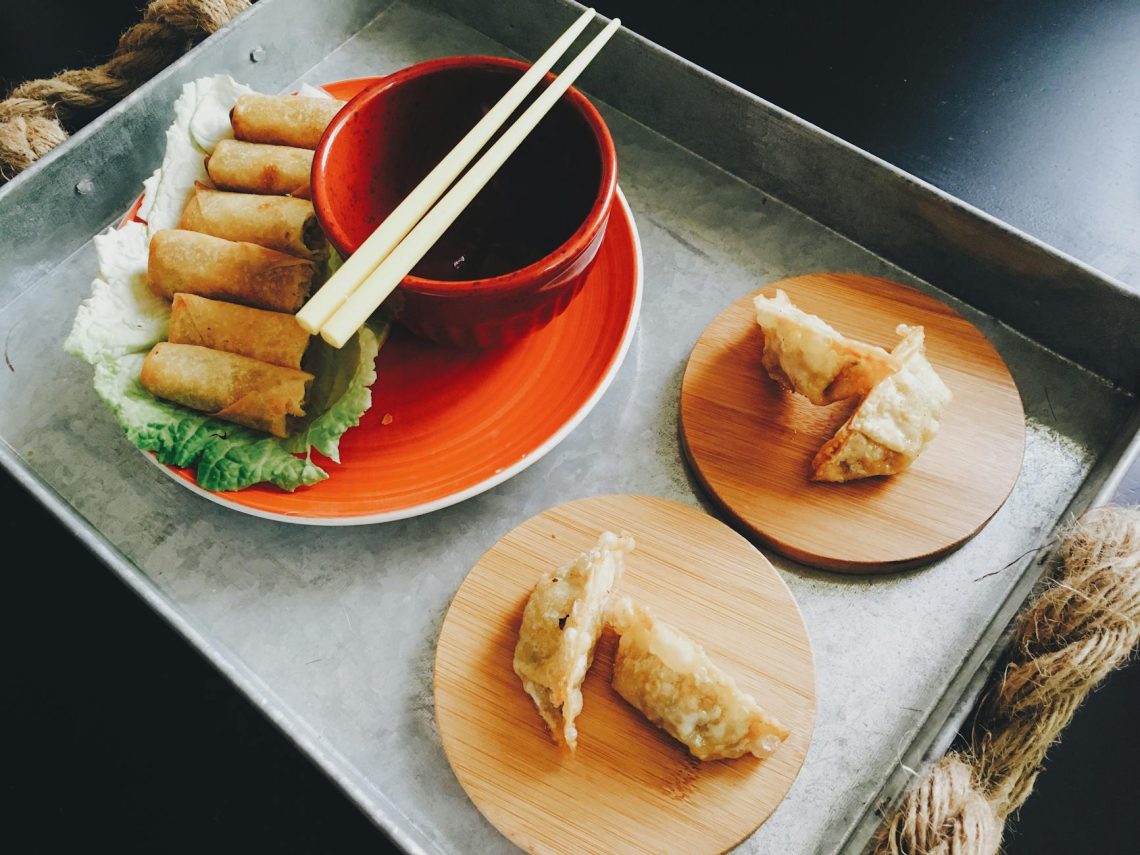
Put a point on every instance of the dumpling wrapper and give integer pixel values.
(672, 681)
(804, 354)
(893, 424)
(560, 627)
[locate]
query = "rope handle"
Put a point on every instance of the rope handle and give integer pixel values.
(1080, 629)
(32, 116)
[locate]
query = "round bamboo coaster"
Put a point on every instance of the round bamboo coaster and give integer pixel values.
(630, 787)
(751, 444)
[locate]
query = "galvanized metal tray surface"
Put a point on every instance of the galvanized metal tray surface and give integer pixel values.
(332, 632)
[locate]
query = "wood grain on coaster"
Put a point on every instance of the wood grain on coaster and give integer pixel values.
(630, 787)
(751, 444)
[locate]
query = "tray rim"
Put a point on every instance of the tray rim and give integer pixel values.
(1096, 488)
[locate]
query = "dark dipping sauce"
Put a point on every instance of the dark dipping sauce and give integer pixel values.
(536, 201)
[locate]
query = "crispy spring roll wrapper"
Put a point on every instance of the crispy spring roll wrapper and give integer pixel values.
(273, 337)
(277, 222)
(255, 168)
(225, 385)
(283, 119)
(193, 263)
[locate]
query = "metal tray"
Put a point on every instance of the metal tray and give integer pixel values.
(332, 632)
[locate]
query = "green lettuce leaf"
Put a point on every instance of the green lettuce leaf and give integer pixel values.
(227, 456)
(341, 393)
(116, 327)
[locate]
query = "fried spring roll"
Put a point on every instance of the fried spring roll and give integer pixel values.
(227, 270)
(283, 119)
(273, 337)
(278, 222)
(254, 168)
(225, 385)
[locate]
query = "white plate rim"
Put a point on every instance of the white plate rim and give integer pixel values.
(475, 489)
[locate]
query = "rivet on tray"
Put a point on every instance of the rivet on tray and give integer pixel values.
(257, 54)
(85, 187)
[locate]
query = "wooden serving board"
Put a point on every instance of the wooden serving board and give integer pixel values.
(630, 787)
(751, 444)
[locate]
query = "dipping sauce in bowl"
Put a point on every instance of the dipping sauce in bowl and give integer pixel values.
(520, 253)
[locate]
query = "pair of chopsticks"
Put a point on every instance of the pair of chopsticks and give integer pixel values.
(370, 274)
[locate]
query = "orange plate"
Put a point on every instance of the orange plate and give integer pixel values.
(461, 422)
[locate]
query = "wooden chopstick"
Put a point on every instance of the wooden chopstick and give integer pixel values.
(321, 306)
(384, 279)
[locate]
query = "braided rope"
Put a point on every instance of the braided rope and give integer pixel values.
(31, 117)
(1084, 626)
(944, 815)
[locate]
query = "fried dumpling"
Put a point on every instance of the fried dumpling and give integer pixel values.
(561, 624)
(893, 424)
(672, 681)
(804, 354)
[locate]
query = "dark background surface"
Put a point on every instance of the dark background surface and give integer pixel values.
(120, 734)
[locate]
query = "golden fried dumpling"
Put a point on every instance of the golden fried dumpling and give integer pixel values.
(804, 354)
(561, 624)
(672, 681)
(893, 424)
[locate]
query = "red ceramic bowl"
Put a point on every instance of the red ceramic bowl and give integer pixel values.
(520, 253)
